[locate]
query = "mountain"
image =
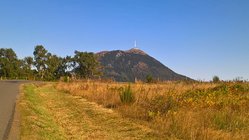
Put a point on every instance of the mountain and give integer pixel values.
(134, 64)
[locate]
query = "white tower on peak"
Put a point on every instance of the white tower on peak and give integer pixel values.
(135, 45)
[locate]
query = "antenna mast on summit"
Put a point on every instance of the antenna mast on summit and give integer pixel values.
(135, 44)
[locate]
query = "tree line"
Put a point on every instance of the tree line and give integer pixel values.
(46, 66)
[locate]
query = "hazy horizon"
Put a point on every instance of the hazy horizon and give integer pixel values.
(198, 39)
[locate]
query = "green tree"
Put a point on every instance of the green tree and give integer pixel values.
(29, 61)
(85, 64)
(216, 79)
(64, 67)
(53, 65)
(9, 64)
(40, 57)
(49, 66)
(26, 66)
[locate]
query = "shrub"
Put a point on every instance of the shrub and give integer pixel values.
(149, 79)
(162, 104)
(216, 79)
(220, 90)
(126, 95)
(239, 88)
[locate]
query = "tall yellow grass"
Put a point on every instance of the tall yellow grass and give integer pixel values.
(176, 110)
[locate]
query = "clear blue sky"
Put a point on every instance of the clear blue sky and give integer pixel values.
(197, 38)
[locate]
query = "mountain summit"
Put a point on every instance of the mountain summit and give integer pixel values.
(134, 64)
(136, 51)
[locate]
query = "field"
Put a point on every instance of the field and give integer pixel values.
(47, 114)
(170, 110)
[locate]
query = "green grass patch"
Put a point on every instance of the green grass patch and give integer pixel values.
(36, 121)
(229, 121)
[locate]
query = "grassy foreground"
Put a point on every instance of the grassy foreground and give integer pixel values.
(175, 110)
(171, 110)
(47, 113)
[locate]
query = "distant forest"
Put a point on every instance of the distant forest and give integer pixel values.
(46, 66)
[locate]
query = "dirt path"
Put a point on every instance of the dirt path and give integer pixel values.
(56, 115)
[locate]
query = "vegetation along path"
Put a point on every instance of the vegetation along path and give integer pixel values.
(49, 114)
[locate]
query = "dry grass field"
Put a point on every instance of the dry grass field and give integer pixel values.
(174, 110)
(47, 114)
(109, 110)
